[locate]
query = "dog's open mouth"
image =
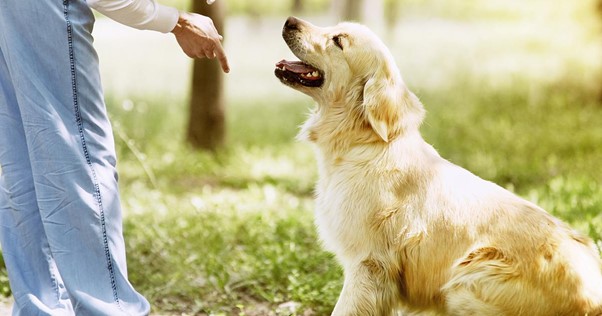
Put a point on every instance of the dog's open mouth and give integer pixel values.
(298, 72)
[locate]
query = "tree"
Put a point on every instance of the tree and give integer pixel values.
(297, 6)
(206, 120)
(369, 12)
(347, 10)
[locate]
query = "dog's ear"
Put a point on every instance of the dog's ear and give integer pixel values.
(381, 99)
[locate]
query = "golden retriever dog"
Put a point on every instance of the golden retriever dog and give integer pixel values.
(412, 231)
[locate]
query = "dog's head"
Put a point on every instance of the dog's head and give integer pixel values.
(353, 77)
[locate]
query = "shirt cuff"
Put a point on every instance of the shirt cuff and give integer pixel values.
(165, 20)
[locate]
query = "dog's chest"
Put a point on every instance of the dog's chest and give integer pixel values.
(346, 204)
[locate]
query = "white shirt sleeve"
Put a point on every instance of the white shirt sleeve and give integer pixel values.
(140, 14)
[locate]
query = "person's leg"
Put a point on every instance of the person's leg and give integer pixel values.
(54, 69)
(35, 283)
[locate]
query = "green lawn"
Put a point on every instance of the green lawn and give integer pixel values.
(512, 95)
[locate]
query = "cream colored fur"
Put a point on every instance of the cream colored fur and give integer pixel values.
(413, 231)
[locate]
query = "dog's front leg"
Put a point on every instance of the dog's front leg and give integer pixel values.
(366, 291)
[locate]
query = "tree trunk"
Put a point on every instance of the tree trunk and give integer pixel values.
(373, 15)
(206, 123)
(391, 13)
(369, 12)
(297, 6)
(347, 10)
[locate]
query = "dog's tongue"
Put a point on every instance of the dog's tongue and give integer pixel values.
(295, 66)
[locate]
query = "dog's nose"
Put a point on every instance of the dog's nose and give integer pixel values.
(291, 24)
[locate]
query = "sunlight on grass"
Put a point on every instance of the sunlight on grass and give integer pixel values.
(229, 247)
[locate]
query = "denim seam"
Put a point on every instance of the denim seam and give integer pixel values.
(80, 127)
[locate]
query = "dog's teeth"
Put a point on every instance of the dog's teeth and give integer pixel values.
(314, 74)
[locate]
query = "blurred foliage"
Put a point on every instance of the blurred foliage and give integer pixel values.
(464, 9)
(4, 286)
(257, 7)
(270, 7)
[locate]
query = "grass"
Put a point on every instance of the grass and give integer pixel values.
(236, 227)
(231, 233)
(234, 231)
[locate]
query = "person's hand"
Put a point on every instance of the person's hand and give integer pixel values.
(198, 38)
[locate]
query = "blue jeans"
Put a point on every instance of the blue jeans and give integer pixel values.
(60, 217)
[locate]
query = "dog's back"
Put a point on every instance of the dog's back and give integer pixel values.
(522, 260)
(450, 241)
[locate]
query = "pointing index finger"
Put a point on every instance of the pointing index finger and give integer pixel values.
(221, 56)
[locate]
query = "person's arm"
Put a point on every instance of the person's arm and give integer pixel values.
(195, 33)
(140, 14)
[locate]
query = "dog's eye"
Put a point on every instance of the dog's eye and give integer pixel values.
(337, 41)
